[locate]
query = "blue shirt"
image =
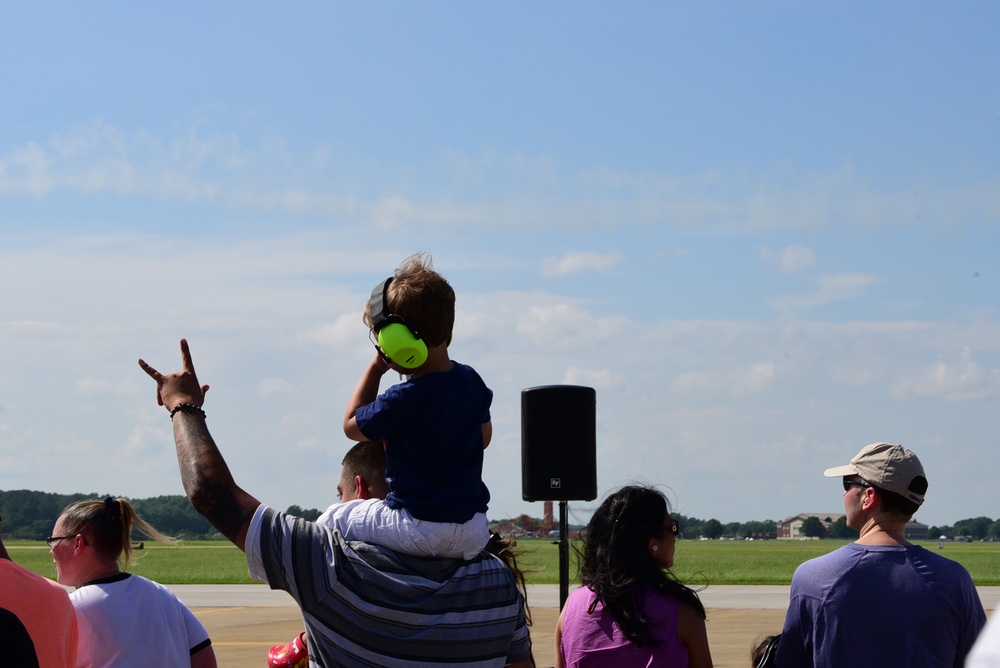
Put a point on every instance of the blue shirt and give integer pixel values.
(880, 605)
(432, 426)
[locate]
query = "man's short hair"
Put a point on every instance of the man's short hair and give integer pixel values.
(897, 505)
(367, 461)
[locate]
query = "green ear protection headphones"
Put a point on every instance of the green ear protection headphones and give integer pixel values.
(398, 342)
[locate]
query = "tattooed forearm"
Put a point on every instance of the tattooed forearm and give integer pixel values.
(207, 480)
(218, 504)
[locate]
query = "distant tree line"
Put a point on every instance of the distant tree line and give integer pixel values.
(693, 527)
(974, 528)
(31, 515)
(309, 514)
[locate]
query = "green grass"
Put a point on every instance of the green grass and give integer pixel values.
(193, 562)
(754, 562)
(697, 562)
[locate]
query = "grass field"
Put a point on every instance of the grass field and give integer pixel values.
(697, 562)
(195, 562)
(757, 562)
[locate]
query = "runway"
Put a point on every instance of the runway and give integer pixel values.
(731, 597)
(245, 620)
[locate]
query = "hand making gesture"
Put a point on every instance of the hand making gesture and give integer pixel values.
(207, 480)
(177, 388)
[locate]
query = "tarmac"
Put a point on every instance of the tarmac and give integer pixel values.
(244, 621)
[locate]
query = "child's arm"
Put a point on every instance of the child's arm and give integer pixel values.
(487, 433)
(365, 393)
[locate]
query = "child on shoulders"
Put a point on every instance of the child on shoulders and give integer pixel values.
(435, 425)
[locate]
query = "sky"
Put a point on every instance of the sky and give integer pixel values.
(765, 233)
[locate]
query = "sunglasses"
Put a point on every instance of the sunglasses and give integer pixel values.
(848, 484)
(675, 526)
(51, 540)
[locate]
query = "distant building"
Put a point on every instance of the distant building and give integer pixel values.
(790, 528)
(916, 530)
(547, 520)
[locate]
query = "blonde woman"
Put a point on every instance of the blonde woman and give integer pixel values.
(124, 619)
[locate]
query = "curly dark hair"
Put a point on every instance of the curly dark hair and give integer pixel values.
(616, 563)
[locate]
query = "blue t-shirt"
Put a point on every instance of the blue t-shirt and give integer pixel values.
(880, 605)
(433, 430)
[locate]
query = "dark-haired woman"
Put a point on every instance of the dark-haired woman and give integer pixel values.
(124, 619)
(630, 611)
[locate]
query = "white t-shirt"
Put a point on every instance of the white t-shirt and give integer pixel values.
(986, 652)
(128, 621)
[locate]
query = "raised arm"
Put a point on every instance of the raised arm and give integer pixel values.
(206, 477)
(365, 393)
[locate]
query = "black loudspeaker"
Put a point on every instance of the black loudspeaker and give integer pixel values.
(559, 443)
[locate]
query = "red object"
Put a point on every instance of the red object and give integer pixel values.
(292, 655)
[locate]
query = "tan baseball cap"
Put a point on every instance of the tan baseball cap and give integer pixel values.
(887, 466)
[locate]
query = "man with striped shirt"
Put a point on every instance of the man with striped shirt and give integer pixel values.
(363, 605)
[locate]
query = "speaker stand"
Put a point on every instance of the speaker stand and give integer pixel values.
(563, 554)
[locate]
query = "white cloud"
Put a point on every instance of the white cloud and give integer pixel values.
(790, 259)
(263, 174)
(732, 382)
(142, 441)
(578, 263)
(96, 387)
(566, 326)
(341, 332)
(39, 328)
(856, 373)
(270, 387)
(832, 288)
(278, 315)
(392, 212)
(962, 379)
(701, 396)
(599, 379)
(312, 446)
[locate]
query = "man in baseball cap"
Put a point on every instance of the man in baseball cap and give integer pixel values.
(880, 601)
(889, 467)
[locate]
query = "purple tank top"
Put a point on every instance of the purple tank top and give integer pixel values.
(593, 640)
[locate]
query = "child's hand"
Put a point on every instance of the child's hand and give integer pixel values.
(365, 393)
(380, 363)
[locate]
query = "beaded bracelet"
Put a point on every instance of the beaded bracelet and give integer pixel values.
(188, 408)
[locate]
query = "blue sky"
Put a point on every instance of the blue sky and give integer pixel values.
(765, 233)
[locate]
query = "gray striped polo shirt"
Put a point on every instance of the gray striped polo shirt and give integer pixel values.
(367, 606)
